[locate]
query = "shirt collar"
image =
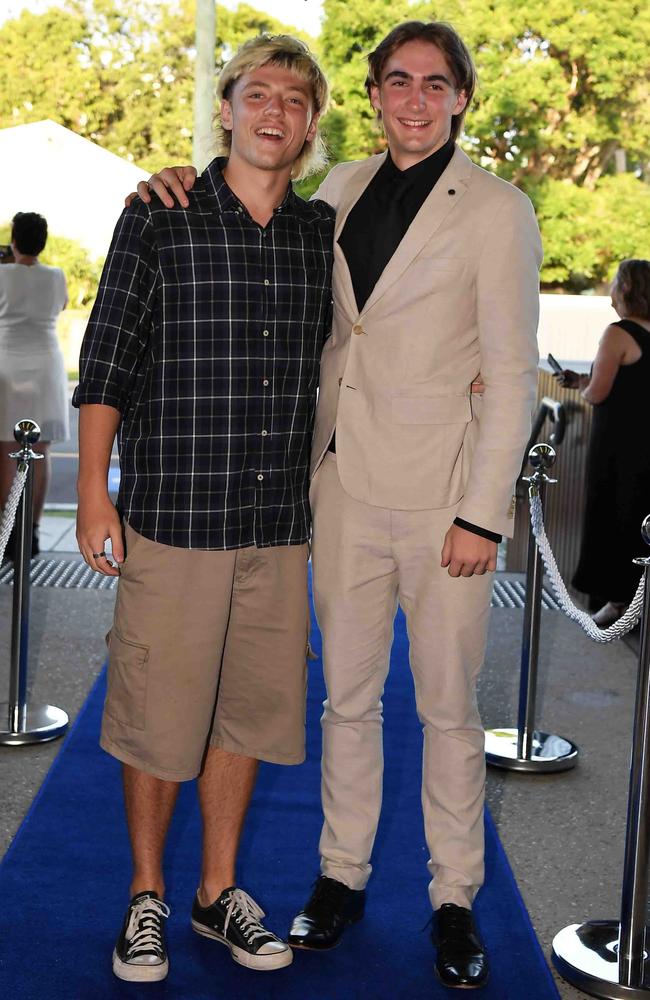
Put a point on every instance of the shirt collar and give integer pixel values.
(418, 171)
(227, 200)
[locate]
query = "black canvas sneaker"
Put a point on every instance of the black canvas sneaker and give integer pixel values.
(234, 919)
(140, 954)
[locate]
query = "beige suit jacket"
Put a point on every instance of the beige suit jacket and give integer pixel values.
(460, 295)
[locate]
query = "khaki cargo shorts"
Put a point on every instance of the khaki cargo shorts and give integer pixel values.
(208, 648)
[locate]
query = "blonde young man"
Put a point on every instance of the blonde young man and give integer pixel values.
(207, 368)
(435, 280)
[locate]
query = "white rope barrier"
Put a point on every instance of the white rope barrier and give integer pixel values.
(620, 628)
(9, 512)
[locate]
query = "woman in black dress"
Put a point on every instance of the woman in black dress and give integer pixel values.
(618, 461)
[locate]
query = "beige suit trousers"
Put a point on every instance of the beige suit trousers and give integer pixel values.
(365, 560)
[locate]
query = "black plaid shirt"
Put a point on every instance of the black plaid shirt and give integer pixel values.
(206, 335)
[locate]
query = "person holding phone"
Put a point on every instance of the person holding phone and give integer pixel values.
(618, 467)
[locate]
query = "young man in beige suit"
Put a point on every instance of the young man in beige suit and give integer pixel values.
(435, 280)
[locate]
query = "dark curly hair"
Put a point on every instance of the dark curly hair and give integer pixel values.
(29, 233)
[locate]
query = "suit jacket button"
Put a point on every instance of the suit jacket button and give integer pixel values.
(357, 328)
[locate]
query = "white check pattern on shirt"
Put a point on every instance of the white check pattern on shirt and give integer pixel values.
(206, 335)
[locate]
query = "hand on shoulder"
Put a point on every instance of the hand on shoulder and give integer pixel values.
(170, 183)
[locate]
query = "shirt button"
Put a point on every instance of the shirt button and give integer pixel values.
(265, 333)
(265, 382)
(260, 477)
(357, 328)
(264, 433)
(266, 281)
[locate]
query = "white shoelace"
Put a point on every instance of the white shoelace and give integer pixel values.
(143, 931)
(247, 915)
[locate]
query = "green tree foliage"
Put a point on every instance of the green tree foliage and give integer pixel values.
(563, 84)
(351, 29)
(118, 72)
(81, 272)
(45, 72)
(586, 233)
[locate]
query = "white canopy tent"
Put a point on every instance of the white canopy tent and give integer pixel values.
(78, 186)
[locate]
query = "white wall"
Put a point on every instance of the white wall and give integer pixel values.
(570, 326)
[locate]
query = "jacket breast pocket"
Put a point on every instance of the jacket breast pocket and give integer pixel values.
(431, 409)
(126, 697)
(438, 270)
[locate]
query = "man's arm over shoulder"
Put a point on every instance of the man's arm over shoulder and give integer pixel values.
(507, 290)
(118, 328)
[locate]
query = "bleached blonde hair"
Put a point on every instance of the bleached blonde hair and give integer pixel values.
(287, 53)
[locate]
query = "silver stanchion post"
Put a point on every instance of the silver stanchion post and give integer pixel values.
(526, 748)
(25, 723)
(608, 958)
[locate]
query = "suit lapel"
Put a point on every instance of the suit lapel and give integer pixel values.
(355, 187)
(433, 212)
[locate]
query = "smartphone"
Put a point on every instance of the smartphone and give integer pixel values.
(555, 365)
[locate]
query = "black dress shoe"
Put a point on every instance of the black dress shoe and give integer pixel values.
(461, 960)
(331, 908)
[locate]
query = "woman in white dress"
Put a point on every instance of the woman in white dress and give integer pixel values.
(33, 382)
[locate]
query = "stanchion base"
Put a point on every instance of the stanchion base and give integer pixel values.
(39, 724)
(548, 753)
(586, 955)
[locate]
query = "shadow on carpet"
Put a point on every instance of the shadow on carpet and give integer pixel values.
(63, 883)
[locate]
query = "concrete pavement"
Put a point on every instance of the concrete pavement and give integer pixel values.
(57, 534)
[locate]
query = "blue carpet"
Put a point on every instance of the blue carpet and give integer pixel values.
(63, 883)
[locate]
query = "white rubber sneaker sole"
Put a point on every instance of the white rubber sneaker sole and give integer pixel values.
(131, 973)
(261, 963)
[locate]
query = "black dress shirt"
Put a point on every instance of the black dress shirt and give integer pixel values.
(206, 335)
(378, 222)
(377, 225)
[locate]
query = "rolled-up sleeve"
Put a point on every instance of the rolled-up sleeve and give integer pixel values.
(120, 322)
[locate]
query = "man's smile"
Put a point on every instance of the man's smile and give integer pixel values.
(269, 132)
(414, 122)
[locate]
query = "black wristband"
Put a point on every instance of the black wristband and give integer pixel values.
(483, 532)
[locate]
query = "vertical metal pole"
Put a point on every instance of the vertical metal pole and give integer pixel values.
(526, 748)
(204, 71)
(637, 840)
(530, 643)
(25, 723)
(585, 954)
(20, 613)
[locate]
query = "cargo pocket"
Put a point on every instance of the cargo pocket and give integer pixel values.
(126, 698)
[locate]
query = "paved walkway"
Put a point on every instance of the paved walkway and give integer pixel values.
(57, 533)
